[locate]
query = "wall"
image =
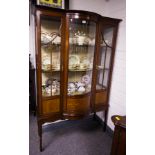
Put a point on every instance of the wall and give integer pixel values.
(88, 5)
(31, 38)
(115, 9)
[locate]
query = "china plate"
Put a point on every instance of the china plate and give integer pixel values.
(74, 59)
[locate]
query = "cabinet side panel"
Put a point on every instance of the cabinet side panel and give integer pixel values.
(101, 98)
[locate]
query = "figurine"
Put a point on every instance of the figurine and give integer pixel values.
(71, 88)
(86, 79)
(48, 90)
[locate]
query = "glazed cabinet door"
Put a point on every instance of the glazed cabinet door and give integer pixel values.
(49, 64)
(81, 49)
(104, 65)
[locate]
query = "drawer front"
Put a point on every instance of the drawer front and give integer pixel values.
(50, 106)
(101, 98)
(78, 105)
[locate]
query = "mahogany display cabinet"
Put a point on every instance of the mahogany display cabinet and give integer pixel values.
(74, 62)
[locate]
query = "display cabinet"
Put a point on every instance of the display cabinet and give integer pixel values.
(74, 60)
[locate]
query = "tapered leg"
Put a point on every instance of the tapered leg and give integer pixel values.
(105, 120)
(40, 135)
(94, 116)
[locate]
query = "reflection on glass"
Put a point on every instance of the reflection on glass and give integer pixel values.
(107, 37)
(104, 58)
(81, 55)
(50, 55)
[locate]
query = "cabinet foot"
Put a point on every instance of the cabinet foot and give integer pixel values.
(94, 116)
(105, 120)
(41, 148)
(40, 135)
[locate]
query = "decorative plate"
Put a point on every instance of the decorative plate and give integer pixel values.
(46, 60)
(85, 61)
(74, 60)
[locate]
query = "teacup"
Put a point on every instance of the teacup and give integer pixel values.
(81, 89)
(81, 40)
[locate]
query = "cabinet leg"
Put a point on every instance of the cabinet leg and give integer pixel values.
(94, 116)
(40, 135)
(41, 149)
(105, 120)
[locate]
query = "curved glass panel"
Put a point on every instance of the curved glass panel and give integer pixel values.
(81, 55)
(104, 58)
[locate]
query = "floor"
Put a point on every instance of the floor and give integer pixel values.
(80, 137)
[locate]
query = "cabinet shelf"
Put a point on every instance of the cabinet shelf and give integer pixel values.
(79, 95)
(80, 70)
(71, 70)
(100, 87)
(98, 68)
(50, 97)
(104, 46)
(84, 45)
(50, 71)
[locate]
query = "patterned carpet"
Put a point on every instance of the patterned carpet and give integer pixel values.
(80, 137)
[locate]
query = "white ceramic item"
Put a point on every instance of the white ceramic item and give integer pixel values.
(86, 79)
(81, 89)
(80, 84)
(48, 90)
(57, 40)
(45, 38)
(74, 60)
(81, 40)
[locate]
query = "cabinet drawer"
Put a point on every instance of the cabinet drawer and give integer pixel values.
(78, 105)
(50, 106)
(101, 98)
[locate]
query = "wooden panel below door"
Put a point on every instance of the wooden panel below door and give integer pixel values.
(78, 106)
(101, 98)
(50, 106)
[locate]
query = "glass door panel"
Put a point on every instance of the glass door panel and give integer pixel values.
(50, 55)
(104, 58)
(81, 55)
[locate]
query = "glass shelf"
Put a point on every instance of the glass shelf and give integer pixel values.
(100, 87)
(80, 70)
(79, 93)
(50, 71)
(49, 45)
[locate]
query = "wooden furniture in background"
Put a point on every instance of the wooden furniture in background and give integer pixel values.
(119, 138)
(74, 61)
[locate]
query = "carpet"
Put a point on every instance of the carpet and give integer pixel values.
(78, 137)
